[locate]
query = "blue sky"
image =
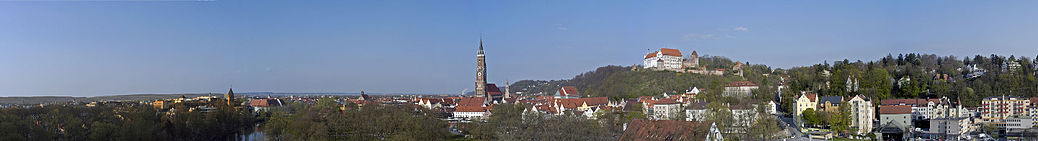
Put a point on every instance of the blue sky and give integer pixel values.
(125, 47)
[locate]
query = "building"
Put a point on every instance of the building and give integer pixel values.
(230, 96)
(664, 59)
(481, 74)
(806, 101)
(265, 104)
(470, 113)
(862, 114)
(567, 92)
(947, 129)
(696, 111)
(665, 109)
(997, 109)
(830, 104)
(895, 122)
(692, 61)
(740, 89)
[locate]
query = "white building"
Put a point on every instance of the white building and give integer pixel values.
(664, 59)
(862, 114)
(665, 109)
(471, 112)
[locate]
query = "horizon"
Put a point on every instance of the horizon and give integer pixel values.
(85, 49)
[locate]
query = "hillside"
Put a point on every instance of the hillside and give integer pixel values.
(619, 82)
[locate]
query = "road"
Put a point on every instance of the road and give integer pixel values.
(790, 126)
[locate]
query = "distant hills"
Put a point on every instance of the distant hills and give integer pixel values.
(32, 100)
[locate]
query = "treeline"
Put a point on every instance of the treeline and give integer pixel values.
(509, 123)
(122, 122)
(918, 77)
(325, 120)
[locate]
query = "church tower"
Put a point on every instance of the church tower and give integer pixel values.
(230, 96)
(507, 94)
(481, 72)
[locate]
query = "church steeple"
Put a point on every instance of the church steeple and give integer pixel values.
(481, 75)
(230, 96)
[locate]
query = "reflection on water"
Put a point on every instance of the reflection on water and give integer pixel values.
(256, 134)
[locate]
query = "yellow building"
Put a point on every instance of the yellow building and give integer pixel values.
(806, 101)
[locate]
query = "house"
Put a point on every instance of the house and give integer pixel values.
(895, 122)
(830, 104)
(696, 111)
(665, 109)
(264, 104)
(691, 93)
(806, 101)
(740, 89)
(862, 114)
(771, 108)
(567, 92)
(470, 113)
(664, 59)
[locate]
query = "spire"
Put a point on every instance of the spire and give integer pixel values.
(480, 45)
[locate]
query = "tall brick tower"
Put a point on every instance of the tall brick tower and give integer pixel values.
(481, 72)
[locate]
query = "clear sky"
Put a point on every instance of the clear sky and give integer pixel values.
(82, 48)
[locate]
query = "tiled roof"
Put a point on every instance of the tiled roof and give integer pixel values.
(568, 91)
(666, 51)
(264, 103)
(666, 101)
(812, 97)
(470, 109)
(471, 101)
(895, 109)
(671, 52)
(493, 90)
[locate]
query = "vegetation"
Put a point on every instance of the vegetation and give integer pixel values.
(879, 79)
(509, 123)
(122, 122)
(325, 121)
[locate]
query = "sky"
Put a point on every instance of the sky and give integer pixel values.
(92, 48)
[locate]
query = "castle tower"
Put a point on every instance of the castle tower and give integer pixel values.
(481, 72)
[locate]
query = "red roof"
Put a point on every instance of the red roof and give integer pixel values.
(895, 109)
(470, 109)
(568, 91)
(471, 101)
(812, 97)
(666, 51)
(741, 84)
(671, 52)
(493, 90)
(263, 103)
(665, 101)
(575, 102)
(694, 53)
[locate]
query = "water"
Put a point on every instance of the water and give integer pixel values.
(256, 134)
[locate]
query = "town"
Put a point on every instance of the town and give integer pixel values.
(570, 70)
(741, 109)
